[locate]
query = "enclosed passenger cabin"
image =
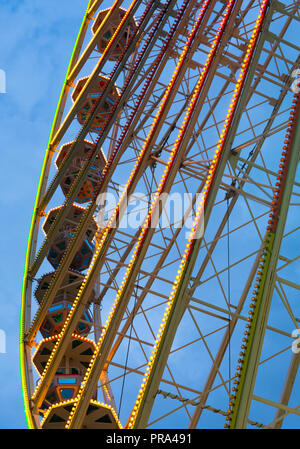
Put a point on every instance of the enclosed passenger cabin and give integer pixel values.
(62, 304)
(67, 291)
(65, 233)
(56, 316)
(62, 387)
(82, 155)
(66, 382)
(109, 29)
(98, 416)
(91, 99)
(76, 359)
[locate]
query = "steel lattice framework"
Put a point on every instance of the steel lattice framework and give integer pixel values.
(137, 314)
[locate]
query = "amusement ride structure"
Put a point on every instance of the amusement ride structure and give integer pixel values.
(161, 284)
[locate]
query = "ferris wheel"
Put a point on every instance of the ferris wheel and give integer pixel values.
(161, 277)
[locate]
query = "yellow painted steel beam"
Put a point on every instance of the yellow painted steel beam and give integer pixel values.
(261, 301)
(175, 305)
(144, 238)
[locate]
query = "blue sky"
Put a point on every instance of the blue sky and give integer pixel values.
(37, 39)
